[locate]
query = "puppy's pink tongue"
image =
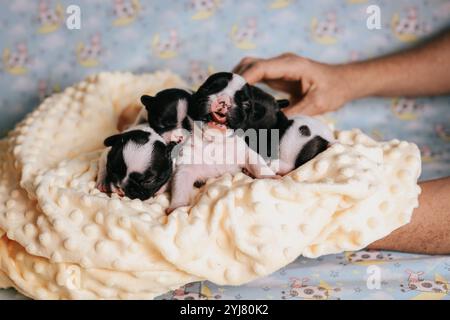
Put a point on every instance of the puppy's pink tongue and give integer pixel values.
(218, 118)
(220, 107)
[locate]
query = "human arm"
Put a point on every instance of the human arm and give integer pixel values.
(429, 229)
(317, 87)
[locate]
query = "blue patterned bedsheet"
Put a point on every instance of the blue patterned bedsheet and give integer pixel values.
(196, 37)
(351, 275)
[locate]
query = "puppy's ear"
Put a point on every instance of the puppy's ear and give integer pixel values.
(112, 140)
(311, 149)
(282, 103)
(138, 136)
(147, 101)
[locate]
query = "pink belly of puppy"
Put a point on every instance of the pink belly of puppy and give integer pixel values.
(209, 159)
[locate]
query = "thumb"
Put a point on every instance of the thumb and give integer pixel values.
(305, 106)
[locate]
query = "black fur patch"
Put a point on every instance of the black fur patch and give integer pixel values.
(163, 108)
(138, 136)
(311, 149)
(255, 109)
(304, 131)
(199, 103)
(199, 183)
(282, 103)
(215, 83)
(186, 124)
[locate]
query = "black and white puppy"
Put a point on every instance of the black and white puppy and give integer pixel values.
(301, 139)
(136, 164)
(226, 98)
(167, 114)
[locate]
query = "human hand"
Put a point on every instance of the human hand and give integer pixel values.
(313, 87)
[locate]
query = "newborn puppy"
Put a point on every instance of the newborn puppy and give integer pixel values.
(226, 98)
(301, 139)
(167, 114)
(209, 153)
(137, 163)
(215, 97)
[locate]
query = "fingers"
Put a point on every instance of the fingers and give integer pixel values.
(286, 66)
(306, 106)
(244, 64)
(261, 70)
(293, 88)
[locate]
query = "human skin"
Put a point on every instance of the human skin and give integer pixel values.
(429, 229)
(316, 88)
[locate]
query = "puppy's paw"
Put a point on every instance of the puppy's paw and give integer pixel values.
(102, 187)
(246, 172)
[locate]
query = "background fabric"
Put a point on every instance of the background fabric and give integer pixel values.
(194, 38)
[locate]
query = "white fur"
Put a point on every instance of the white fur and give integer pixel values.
(210, 155)
(137, 156)
(236, 83)
(292, 141)
(179, 134)
(182, 109)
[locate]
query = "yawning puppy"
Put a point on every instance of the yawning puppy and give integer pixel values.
(227, 99)
(137, 163)
(215, 97)
(167, 114)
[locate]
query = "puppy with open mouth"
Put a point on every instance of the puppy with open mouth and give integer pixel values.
(226, 98)
(286, 143)
(225, 102)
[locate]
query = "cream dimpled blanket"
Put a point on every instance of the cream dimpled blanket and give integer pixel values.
(62, 238)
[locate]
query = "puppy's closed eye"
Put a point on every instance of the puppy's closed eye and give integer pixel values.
(169, 123)
(259, 112)
(148, 183)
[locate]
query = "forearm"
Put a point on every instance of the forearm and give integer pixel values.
(429, 229)
(424, 70)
